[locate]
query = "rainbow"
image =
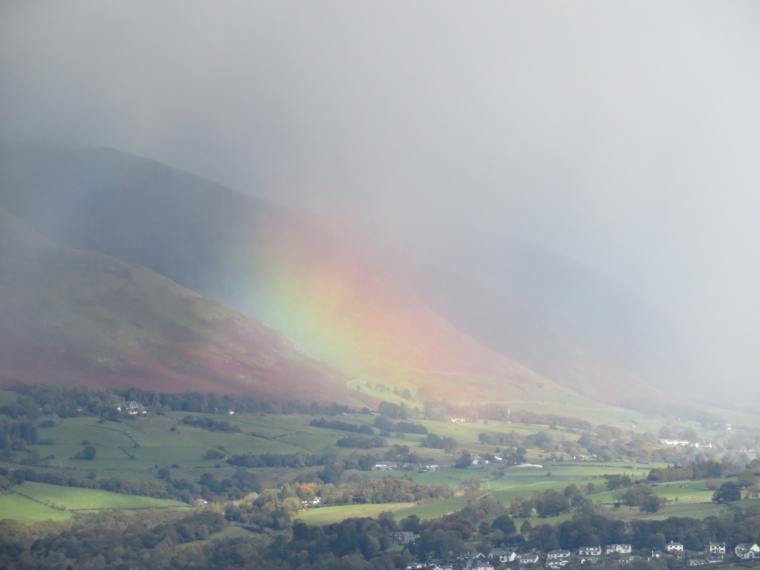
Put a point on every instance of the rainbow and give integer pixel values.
(340, 305)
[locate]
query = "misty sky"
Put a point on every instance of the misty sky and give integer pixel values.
(623, 134)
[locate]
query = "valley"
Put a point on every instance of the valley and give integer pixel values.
(166, 455)
(379, 285)
(241, 387)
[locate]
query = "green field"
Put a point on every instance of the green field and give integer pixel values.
(325, 515)
(570, 407)
(136, 448)
(162, 440)
(145, 442)
(523, 482)
(76, 499)
(25, 510)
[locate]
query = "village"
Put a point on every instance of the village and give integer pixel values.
(674, 553)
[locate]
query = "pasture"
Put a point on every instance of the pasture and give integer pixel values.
(137, 445)
(326, 515)
(136, 448)
(76, 499)
(24, 510)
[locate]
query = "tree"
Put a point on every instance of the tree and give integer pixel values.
(505, 524)
(754, 466)
(651, 504)
(521, 507)
(550, 503)
(544, 536)
(746, 479)
(617, 482)
(410, 524)
(88, 453)
(637, 495)
(389, 409)
(439, 543)
(464, 460)
(331, 472)
(214, 454)
(727, 493)
(574, 494)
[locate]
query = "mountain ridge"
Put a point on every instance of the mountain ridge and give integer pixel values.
(341, 295)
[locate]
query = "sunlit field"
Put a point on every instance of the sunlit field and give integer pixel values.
(75, 499)
(325, 515)
(138, 448)
(22, 509)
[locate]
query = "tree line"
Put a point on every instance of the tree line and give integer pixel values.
(150, 539)
(75, 401)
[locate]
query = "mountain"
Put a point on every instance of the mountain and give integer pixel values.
(462, 316)
(71, 316)
(550, 313)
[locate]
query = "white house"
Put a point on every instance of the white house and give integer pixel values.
(401, 537)
(674, 547)
(617, 549)
(747, 551)
(527, 558)
(503, 556)
(132, 408)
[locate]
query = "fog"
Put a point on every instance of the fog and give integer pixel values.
(623, 135)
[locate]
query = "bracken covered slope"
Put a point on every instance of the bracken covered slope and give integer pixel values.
(76, 317)
(455, 316)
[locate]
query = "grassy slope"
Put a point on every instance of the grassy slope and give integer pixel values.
(27, 511)
(31, 502)
(75, 499)
(326, 515)
(184, 447)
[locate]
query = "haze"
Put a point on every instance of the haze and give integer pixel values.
(624, 135)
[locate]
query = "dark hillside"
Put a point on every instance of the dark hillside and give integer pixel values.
(75, 317)
(332, 296)
(464, 315)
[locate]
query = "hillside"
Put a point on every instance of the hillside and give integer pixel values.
(548, 312)
(75, 317)
(457, 316)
